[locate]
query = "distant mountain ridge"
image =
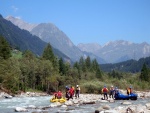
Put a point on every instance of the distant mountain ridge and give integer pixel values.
(119, 51)
(111, 52)
(23, 39)
(48, 32)
(21, 23)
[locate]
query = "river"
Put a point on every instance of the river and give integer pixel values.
(8, 105)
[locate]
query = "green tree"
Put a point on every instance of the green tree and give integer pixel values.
(88, 63)
(48, 53)
(95, 65)
(82, 64)
(9, 75)
(144, 73)
(5, 51)
(62, 69)
(98, 73)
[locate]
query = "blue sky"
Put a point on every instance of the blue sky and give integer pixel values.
(87, 21)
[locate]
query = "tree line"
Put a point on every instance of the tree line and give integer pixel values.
(45, 73)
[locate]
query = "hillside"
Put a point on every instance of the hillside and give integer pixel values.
(20, 23)
(50, 33)
(23, 40)
(119, 50)
(127, 66)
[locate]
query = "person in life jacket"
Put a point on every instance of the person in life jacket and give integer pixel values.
(71, 92)
(67, 93)
(105, 91)
(129, 90)
(111, 92)
(55, 95)
(59, 95)
(116, 92)
(77, 91)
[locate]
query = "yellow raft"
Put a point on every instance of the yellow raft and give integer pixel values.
(62, 100)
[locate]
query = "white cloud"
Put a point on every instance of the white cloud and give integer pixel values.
(18, 17)
(15, 9)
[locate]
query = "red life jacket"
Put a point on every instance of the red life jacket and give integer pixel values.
(105, 89)
(59, 94)
(71, 91)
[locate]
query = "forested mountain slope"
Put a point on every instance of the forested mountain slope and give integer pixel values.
(24, 40)
(127, 66)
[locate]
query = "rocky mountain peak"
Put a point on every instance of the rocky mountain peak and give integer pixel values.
(20, 23)
(117, 43)
(90, 47)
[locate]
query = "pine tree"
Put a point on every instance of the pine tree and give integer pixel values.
(98, 73)
(95, 65)
(88, 62)
(144, 73)
(48, 53)
(5, 51)
(62, 69)
(82, 64)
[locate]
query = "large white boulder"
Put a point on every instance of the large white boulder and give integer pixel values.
(148, 106)
(20, 109)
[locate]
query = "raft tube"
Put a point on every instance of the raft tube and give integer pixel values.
(62, 100)
(120, 96)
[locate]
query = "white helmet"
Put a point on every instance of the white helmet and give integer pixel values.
(77, 85)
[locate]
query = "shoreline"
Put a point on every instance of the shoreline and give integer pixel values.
(141, 94)
(84, 99)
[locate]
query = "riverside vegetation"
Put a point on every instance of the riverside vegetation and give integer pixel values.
(47, 73)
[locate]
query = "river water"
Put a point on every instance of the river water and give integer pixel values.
(8, 105)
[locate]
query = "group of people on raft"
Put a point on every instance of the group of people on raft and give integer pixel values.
(70, 92)
(112, 91)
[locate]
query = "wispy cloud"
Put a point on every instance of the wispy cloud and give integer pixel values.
(15, 9)
(18, 17)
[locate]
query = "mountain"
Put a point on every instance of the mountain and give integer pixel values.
(111, 52)
(21, 23)
(57, 38)
(118, 51)
(127, 66)
(23, 39)
(90, 47)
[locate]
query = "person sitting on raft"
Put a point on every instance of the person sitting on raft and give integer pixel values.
(129, 90)
(58, 95)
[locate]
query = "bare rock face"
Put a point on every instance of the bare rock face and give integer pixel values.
(20, 23)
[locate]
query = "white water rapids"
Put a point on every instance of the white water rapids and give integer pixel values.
(8, 105)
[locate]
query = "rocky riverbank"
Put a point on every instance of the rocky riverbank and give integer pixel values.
(104, 105)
